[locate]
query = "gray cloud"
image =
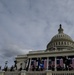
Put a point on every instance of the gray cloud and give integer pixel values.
(30, 24)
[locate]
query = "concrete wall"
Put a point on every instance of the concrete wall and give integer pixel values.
(2, 72)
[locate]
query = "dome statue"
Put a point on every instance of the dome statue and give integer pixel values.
(60, 41)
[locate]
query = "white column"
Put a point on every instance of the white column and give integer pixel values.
(27, 62)
(55, 63)
(66, 63)
(30, 64)
(37, 62)
(47, 62)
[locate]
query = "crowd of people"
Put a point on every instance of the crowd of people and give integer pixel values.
(66, 66)
(58, 68)
(12, 68)
(40, 67)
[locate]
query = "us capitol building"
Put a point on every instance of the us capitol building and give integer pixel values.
(59, 52)
(58, 57)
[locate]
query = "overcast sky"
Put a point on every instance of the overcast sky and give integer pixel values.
(30, 24)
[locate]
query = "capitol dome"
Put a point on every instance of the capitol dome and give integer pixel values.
(61, 41)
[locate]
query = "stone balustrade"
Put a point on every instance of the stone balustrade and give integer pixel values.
(38, 73)
(13, 73)
(10, 73)
(63, 73)
(50, 73)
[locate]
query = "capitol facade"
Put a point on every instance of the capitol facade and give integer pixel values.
(58, 56)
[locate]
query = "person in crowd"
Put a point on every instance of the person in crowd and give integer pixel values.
(70, 68)
(0, 67)
(33, 68)
(59, 68)
(37, 68)
(52, 67)
(49, 67)
(20, 67)
(12, 68)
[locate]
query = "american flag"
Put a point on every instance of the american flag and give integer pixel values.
(72, 65)
(61, 62)
(52, 63)
(35, 63)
